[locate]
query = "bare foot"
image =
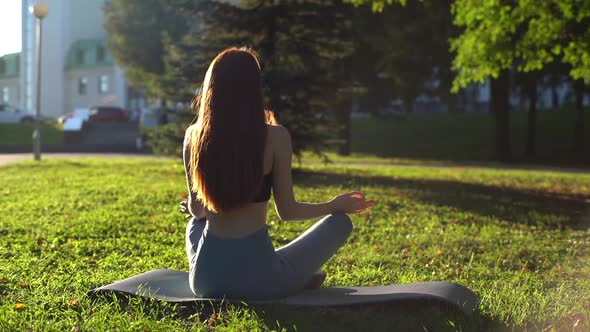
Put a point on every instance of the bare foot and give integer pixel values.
(316, 280)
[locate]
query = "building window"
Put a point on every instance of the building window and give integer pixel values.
(82, 85)
(100, 54)
(103, 83)
(5, 94)
(80, 56)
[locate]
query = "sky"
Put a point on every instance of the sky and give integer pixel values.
(10, 26)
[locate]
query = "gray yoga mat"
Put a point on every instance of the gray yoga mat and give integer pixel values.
(172, 286)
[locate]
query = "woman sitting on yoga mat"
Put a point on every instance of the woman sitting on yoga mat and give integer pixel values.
(234, 154)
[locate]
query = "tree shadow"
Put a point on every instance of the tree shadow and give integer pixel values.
(414, 315)
(528, 207)
(408, 315)
(42, 165)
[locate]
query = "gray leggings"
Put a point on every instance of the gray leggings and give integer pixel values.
(250, 268)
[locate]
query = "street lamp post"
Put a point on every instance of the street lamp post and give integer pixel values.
(40, 10)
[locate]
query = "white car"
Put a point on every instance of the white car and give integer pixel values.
(82, 113)
(12, 114)
(148, 119)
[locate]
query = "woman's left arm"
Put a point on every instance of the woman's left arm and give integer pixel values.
(195, 208)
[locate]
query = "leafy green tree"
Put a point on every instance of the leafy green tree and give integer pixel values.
(404, 49)
(486, 49)
(376, 5)
(527, 35)
(499, 36)
(137, 31)
(560, 36)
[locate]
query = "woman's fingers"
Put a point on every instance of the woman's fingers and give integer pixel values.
(360, 210)
(183, 206)
(353, 202)
(362, 206)
(369, 202)
(357, 194)
(365, 205)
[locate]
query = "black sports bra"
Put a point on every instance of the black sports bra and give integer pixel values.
(264, 192)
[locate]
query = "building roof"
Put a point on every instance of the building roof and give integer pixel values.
(10, 65)
(88, 53)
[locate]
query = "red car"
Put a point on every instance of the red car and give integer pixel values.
(102, 114)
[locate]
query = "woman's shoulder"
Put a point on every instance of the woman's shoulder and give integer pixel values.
(278, 140)
(189, 130)
(187, 137)
(277, 133)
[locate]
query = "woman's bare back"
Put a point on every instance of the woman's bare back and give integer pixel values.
(251, 217)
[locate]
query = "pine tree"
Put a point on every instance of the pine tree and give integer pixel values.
(303, 48)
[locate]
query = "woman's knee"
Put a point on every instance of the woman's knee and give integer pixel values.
(195, 225)
(342, 222)
(194, 230)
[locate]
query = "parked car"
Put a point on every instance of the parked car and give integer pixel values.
(101, 114)
(82, 113)
(13, 114)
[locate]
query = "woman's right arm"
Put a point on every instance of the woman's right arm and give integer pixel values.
(195, 207)
(290, 209)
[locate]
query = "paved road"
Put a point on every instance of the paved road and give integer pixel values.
(14, 157)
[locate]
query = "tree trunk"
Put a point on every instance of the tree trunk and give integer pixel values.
(531, 87)
(579, 128)
(452, 103)
(500, 94)
(268, 50)
(554, 98)
(345, 147)
(370, 100)
(408, 105)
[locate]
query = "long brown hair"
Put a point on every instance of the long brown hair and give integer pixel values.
(227, 141)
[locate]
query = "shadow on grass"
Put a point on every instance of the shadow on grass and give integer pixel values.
(414, 315)
(400, 316)
(512, 205)
(409, 315)
(43, 165)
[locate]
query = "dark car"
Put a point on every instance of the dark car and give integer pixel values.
(102, 114)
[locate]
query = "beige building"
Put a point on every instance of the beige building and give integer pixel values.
(77, 70)
(91, 77)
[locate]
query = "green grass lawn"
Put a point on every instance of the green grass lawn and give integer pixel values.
(22, 133)
(519, 239)
(467, 137)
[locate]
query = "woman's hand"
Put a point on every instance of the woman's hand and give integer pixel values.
(353, 202)
(183, 208)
